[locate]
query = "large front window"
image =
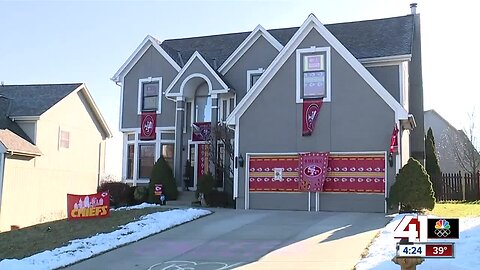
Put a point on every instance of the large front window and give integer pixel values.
(167, 153)
(203, 109)
(130, 159)
(146, 159)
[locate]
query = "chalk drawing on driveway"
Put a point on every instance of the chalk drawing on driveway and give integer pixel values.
(190, 265)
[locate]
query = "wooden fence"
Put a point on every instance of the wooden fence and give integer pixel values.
(457, 186)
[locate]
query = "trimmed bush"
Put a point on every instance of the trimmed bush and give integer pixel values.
(205, 184)
(121, 194)
(140, 194)
(412, 188)
(162, 174)
(217, 198)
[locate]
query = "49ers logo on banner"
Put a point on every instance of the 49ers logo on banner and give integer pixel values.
(311, 109)
(147, 126)
(313, 168)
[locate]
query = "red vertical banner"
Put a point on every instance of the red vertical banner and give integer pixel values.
(311, 109)
(394, 140)
(202, 165)
(147, 126)
(313, 171)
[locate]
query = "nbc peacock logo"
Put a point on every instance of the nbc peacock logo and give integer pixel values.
(442, 228)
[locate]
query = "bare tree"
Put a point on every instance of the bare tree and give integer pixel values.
(464, 145)
(221, 162)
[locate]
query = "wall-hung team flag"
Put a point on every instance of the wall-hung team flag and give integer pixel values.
(147, 126)
(311, 109)
(394, 140)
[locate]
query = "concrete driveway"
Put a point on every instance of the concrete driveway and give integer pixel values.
(250, 239)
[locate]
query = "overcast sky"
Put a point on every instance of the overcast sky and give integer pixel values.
(87, 41)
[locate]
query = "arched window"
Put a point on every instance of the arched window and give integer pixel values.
(203, 104)
(203, 109)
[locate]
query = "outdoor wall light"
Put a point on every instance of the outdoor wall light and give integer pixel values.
(390, 159)
(240, 161)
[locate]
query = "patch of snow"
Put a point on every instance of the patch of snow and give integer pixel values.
(140, 206)
(81, 249)
(467, 249)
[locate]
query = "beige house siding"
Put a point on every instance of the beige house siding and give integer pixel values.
(35, 190)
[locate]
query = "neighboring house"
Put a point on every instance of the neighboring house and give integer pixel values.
(451, 144)
(367, 74)
(52, 142)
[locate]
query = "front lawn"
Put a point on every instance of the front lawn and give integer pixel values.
(456, 209)
(47, 236)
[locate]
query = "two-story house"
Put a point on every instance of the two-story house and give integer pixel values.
(338, 89)
(52, 142)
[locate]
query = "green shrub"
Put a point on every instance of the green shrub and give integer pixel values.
(120, 193)
(140, 194)
(162, 174)
(205, 184)
(217, 198)
(412, 188)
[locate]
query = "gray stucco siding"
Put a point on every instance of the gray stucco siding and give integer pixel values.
(388, 77)
(356, 120)
(259, 55)
(151, 64)
(196, 67)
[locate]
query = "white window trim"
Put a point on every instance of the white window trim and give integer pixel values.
(328, 70)
(140, 94)
(249, 76)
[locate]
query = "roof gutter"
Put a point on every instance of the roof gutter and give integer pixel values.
(386, 59)
(25, 118)
(23, 153)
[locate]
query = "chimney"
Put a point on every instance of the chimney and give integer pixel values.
(413, 8)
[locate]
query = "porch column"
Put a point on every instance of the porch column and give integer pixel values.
(214, 125)
(179, 120)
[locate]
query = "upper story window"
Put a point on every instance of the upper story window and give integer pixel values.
(64, 139)
(149, 95)
(313, 74)
(253, 76)
(225, 107)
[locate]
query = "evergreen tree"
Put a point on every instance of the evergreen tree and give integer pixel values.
(162, 174)
(431, 160)
(412, 188)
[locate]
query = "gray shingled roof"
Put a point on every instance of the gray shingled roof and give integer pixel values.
(364, 39)
(34, 100)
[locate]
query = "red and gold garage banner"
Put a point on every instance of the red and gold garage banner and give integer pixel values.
(356, 173)
(360, 173)
(88, 206)
(274, 173)
(313, 169)
(147, 126)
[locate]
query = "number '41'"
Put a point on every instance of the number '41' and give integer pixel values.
(413, 228)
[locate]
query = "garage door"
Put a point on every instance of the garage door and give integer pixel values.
(347, 173)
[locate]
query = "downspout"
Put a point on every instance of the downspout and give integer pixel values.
(2, 171)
